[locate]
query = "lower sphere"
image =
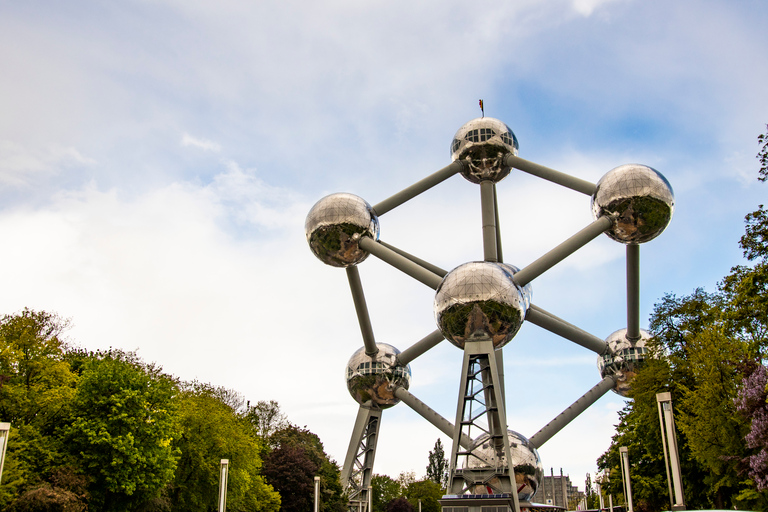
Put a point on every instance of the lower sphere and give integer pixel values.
(623, 359)
(372, 380)
(525, 461)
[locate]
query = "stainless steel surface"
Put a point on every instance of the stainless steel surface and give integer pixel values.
(482, 144)
(525, 461)
(335, 225)
(372, 380)
(639, 201)
(623, 358)
(479, 300)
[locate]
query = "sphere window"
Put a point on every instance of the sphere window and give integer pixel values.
(481, 135)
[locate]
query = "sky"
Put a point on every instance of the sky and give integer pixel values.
(158, 159)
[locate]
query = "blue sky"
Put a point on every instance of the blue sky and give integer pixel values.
(158, 157)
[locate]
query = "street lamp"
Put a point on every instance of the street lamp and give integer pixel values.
(223, 476)
(5, 428)
(671, 457)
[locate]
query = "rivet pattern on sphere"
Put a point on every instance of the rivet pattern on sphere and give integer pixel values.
(482, 145)
(623, 359)
(335, 225)
(525, 459)
(638, 199)
(372, 380)
(479, 300)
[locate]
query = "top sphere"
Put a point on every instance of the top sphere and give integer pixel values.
(482, 145)
(335, 225)
(371, 380)
(623, 359)
(638, 199)
(479, 300)
(526, 461)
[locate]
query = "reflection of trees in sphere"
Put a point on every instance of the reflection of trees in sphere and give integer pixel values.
(372, 380)
(638, 199)
(623, 358)
(479, 300)
(525, 460)
(482, 145)
(335, 225)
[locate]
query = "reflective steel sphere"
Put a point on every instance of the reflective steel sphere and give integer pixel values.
(638, 199)
(623, 358)
(372, 380)
(482, 145)
(479, 300)
(525, 461)
(335, 225)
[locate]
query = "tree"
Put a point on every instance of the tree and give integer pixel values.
(212, 429)
(122, 430)
(399, 505)
(266, 418)
(291, 471)
(437, 468)
(384, 490)
(36, 387)
(751, 404)
(428, 492)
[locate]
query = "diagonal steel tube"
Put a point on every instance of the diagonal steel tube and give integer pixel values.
(417, 188)
(566, 180)
(363, 318)
(562, 251)
(431, 416)
(401, 262)
(556, 325)
(573, 410)
(427, 265)
(418, 348)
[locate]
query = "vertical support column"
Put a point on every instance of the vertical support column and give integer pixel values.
(358, 464)
(671, 457)
(480, 409)
(488, 209)
(633, 292)
(624, 456)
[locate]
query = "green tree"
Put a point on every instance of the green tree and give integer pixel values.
(384, 490)
(212, 428)
(437, 468)
(428, 491)
(36, 388)
(122, 430)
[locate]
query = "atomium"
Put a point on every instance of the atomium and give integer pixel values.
(623, 359)
(482, 145)
(638, 199)
(335, 225)
(479, 307)
(526, 461)
(372, 380)
(478, 300)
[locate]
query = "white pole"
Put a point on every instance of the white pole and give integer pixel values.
(5, 429)
(223, 476)
(624, 453)
(317, 494)
(600, 495)
(672, 459)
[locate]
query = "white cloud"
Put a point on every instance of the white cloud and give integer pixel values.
(204, 144)
(20, 164)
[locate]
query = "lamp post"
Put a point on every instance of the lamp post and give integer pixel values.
(317, 494)
(671, 457)
(624, 455)
(5, 429)
(223, 476)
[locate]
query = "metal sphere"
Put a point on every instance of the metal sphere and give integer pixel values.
(638, 199)
(482, 145)
(623, 359)
(478, 301)
(335, 225)
(372, 380)
(526, 461)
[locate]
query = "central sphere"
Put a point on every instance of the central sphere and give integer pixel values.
(623, 359)
(478, 301)
(525, 461)
(371, 380)
(482, 145)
